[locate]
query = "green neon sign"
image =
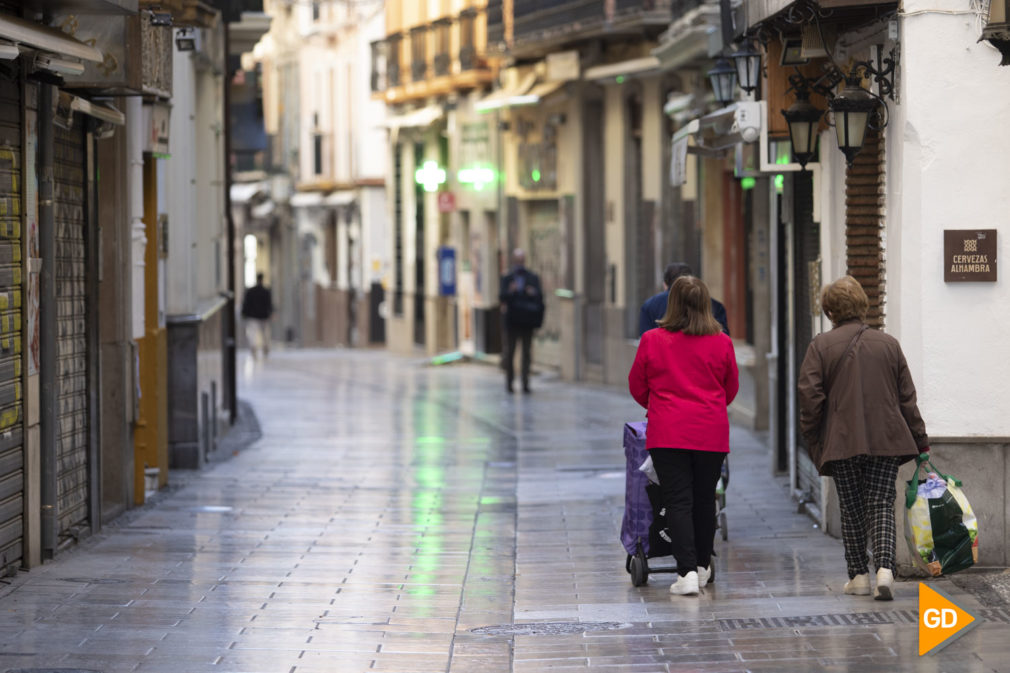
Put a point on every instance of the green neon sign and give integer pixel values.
(430, 176)
(476, 177)
(535, 175)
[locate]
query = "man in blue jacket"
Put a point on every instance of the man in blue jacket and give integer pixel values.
(522, 307)
(654, 307)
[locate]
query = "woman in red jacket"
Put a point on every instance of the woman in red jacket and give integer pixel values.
(685, 376)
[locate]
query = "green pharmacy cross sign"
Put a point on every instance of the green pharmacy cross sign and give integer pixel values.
(430, 176)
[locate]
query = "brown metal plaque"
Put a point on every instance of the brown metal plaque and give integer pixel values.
(969, 255)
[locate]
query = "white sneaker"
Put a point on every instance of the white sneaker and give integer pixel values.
(686, 585)
(704, 574)
(883, 591)
(858, 585)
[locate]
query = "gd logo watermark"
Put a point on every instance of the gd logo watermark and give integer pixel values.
(941, 622)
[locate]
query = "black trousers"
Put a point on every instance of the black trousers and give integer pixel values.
(525, 337)
(687, 479)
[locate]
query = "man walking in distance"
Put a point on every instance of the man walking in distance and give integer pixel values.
(257, 307)
(522, 307)
(654, 307)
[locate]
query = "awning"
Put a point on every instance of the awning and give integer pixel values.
(244, 192)
(44, 38)
(686, 41)
(307, 200)
(506, 96)
(420, 118)
(630, 68)
(339, 198)
(538, 93)
(101, 112)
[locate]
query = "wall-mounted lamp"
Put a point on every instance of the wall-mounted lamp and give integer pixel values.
(803, 118)
(186, 39)
(852, 109)
(748, 67)
(997, 28)
(723, 79)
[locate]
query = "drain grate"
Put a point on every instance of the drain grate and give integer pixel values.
(51, 670)
(1001, 615)
(547, 628)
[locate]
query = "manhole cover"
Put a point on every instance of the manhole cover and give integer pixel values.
(547, 628)
(85, 580)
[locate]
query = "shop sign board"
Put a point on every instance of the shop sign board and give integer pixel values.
(969, 255)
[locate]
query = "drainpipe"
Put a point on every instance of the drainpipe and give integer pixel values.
(47, 326)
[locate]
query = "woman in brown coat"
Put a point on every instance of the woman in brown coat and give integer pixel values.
(860, 421)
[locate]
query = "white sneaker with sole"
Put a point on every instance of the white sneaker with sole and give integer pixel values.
(858, 585)
(704, 574)
(884, 589)
(686, 585)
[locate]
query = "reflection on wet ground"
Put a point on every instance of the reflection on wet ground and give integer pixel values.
(395, 517)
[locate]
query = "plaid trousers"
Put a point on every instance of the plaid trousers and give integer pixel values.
(866, 495)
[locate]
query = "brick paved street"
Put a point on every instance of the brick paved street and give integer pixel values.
(400, 517)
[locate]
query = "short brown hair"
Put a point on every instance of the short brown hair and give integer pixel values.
(689, 308)
(844, 300)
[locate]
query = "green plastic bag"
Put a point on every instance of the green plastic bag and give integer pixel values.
(941, 531)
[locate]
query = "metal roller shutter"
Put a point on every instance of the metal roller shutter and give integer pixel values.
(808, 244)
(11, 433)
(72, 369)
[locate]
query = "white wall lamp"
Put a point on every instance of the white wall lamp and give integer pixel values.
(185, 39)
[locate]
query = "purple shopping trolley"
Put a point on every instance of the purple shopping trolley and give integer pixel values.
(641, 528)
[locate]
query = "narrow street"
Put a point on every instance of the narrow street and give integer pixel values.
(401, 517)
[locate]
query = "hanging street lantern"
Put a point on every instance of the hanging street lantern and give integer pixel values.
(748, 67)
(997, 28)
(803, 119)
(723, 79)
(852, 109)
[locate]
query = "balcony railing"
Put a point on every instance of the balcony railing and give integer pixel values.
(418, 53)
(467, 58)
(495, 23)
(545, 20)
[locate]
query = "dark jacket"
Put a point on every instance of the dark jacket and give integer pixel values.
(870, 408)
(654, 309)
(257, 303)
(523, 299)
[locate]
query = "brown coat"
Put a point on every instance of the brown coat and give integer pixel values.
(871, 407)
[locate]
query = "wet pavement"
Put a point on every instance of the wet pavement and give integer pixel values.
(398, 517)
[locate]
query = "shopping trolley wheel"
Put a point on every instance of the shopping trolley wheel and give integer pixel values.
(723, 530)
(639, 570)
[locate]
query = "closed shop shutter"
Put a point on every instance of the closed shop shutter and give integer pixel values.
(807, 243)
(72, 368)
(11, 433)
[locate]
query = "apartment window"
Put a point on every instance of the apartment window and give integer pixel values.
(317, 153)
(379, 65)
(393, 58)
(442, 60)
(467, 52)
(316, 10)
(419, 53)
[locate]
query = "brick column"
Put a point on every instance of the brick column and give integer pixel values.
(864, 223)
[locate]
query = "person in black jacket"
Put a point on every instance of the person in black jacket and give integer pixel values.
(522, 307)
(257, 307)
(655, 306)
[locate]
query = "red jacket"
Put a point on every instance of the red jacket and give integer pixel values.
(685, 383)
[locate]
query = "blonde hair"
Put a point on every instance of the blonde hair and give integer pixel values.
(844, 300)
(689, 308)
